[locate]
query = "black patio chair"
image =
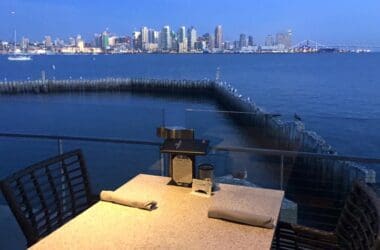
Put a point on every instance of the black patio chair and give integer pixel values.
(358, 226)
(46, 195)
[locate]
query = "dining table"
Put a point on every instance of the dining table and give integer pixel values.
(179, 221)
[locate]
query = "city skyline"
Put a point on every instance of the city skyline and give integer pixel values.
(149, 40)
(324, 21)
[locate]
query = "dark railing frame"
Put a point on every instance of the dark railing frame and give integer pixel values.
(261, 151)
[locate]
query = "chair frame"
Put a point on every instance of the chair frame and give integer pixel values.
(53, 214)
(293, 236)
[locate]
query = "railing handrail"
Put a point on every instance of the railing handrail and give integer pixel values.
(231, 112)
(287, 153)
(79, 138)
(262, 151)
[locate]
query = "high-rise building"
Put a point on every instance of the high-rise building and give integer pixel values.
(144, 38)
(285, 39)
(105, 40)
(48, 42)
(181, 34)
(228, 45)
(243, 42)
(153, 36)
(182, 40)
(136, 37)
(218, 37)
(156, 37)
(71, 41)
(112, 41)
(205, 42)
(166, 41)
(269, 40)
(79, 42)
(191, 38)
(250, 41)
(97, 41)
(24, 44)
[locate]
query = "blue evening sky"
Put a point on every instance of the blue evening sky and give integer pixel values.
(327, 21)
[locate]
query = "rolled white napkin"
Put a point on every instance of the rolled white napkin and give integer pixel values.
(111, 196)
(243, 217)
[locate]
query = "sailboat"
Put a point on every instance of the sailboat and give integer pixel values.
(18, 56)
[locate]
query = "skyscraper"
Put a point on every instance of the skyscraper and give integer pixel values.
(144, 37)
(105, 41)
(48, 43)
(152, 36)
(218, 37)
(285, 39)
(243, 42)
(269, 40)
(182, 40)
(24, 43)
(97, 41)
(250, 41)
(181, 34)
(166, 41)
(136, 36)
(191, 38)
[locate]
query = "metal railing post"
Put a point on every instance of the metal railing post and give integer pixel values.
(282, 173)
(60, 146)
(60, 151)
(162, 165)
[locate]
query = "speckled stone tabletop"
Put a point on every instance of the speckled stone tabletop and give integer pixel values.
(179, 222)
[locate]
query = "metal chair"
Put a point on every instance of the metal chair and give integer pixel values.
(46, 195)
(358, 226)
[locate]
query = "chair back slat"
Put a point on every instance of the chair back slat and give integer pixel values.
(358, 225)
(53, 188)
(47, 194)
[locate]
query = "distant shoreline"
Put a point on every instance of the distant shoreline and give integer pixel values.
(200, 53)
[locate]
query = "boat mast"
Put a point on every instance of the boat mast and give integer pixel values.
(14, 46)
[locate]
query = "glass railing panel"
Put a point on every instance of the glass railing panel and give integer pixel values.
(82, 115)
(110, 165)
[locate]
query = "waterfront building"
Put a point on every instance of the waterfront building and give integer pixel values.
(208, 39)
(285, 39)
(48, 42)
(182, 40)
(97, 41)
(105, 40)
(218, 37)
(144, 38)
(153, 36)
(269, 40)
(200, 45)
(71, 41)
(136, 36)
(228, 45)
(250, 41)
(174, 41)
(166, 41)
(156, 37)
(243, 42)
(79, 43)
(24, 44)
(78, 39)
(236, 45)
(112, 41)
(191, 38)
